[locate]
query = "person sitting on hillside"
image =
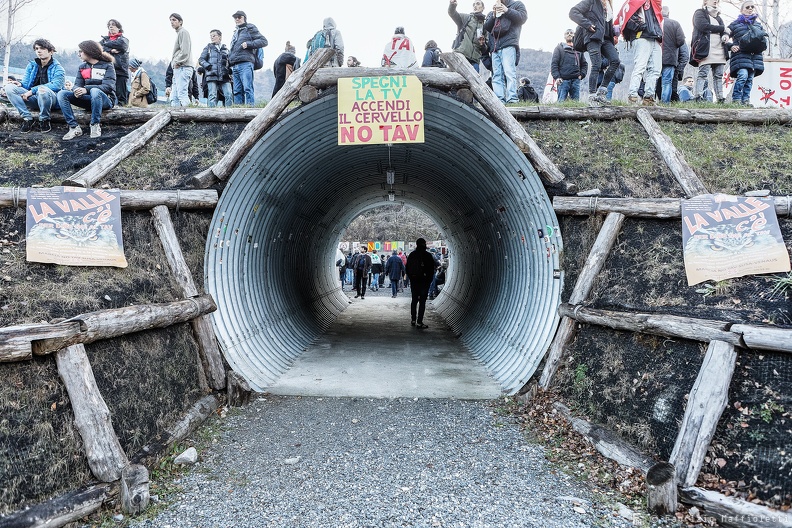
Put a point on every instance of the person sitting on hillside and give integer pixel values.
(686, 90)
(352, 62)
(94, 89)
(399, 51)
(526, 92)
(43, 79)
(431, 58)
(141, 84)
(284, 66)
(217, 71)
(568, 67)
(471, 39)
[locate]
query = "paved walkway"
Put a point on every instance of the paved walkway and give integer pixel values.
(372, 351)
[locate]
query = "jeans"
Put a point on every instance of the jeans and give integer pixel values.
(350, 276)
(648, 59)
(717, 80)
(668, 83)
(180, 94)
(44, 100)
(243, 83)
(375, 281)
(394, 287)
(569, 87)
(596, 50)
(433, 291)
(227, 93)
(742, 86)
(95, 101)
(504, 74)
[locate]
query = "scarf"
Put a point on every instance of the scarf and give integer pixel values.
(750, 19)
(713, 11)
(114, 37)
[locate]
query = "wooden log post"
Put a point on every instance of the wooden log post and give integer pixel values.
(209, 351)
(661, 489)
(675, 160)
(102, 165)
(657, 324)
(547, 170)
(134, 489)
(61, 510)
(46, 338)
(238, 390)
(734, 513)
(661, 208)
(585, 283)
(707, 400)
(765, 338)
(258, 126)
(134, 200)
(91, 415)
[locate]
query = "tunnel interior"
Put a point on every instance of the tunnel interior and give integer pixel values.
(270, 253)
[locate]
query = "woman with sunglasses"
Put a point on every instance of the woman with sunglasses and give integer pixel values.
(749, 40)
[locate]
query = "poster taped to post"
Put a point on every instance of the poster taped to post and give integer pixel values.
(73, 226)
(378, 110)
(731, 236)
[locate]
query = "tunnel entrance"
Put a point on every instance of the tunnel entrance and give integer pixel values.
(271, 249)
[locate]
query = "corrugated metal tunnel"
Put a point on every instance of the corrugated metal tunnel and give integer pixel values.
(272, 245)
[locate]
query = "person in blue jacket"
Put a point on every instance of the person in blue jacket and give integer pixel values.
(44, 78)
(748, 41)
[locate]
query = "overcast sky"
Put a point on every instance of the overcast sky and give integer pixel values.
(365, 25)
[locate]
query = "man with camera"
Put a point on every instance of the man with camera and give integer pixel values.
(471, 39)
(503, 24)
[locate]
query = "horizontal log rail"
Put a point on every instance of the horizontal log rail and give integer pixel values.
(133, 200)
(756, 116)
(138, 116)
(662, 208)
(69, 507)
(20, 342)
(706, 330)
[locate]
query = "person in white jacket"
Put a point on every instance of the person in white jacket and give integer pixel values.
(399, 51)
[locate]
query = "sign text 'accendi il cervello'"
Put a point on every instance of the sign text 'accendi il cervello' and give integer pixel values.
(377, 110)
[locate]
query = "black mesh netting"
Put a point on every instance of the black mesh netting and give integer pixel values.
(752, 448)
(634, 384)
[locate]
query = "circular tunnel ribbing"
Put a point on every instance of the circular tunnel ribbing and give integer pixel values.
(275, 231)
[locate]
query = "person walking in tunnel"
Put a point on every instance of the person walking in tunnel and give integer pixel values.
(376, 270)
(361, 265)
(420, 270)
(394, 269)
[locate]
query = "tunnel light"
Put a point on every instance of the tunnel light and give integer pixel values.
(390, 177)
(391, 196)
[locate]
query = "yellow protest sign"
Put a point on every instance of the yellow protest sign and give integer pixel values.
(377, 110)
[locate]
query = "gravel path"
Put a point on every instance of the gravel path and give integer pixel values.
(354, 462)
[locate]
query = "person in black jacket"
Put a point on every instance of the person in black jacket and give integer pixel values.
(420, 269)
(117, 45)
(94, 89)
(504, 24)
(284, 66)
(245, 44)
(568, 67)
(526, 92)
(708, 48)
(217, 71)
(597, 21)
(431, 58)
(749, 40)
(673, 44)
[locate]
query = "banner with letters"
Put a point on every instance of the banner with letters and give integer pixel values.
(774, 87)
(379, 110)
(75, 227)
(731, 236)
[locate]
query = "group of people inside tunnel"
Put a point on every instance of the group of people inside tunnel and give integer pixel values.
(422, 271)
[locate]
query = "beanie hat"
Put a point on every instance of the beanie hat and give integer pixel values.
(134, 63)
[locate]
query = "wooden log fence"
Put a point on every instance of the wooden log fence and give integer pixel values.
(21, 342)
(580, 293)
(101, 166)
(260, 124)
(547, 170)
(706, 403)
(660, 208)
(755, 116)
(62, 510)
(734, 513)
(103, 451)
(208, 350)
(675, 160)
(133, 200)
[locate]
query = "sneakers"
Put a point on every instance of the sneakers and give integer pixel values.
(73, 133)
(633, 99)
(96, 130)
(649, 101)
(44, 125)
(27, 125)
(599, 98)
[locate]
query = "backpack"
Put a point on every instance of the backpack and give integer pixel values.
(579, 40)
(258, 59)
(753, 41)
(320, 40)
(151, 97)
(460, 35)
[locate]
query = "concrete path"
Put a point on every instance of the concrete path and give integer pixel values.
(372, 351)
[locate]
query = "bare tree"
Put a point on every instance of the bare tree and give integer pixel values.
(11, 10)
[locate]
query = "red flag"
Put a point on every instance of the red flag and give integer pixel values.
(630, 7)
